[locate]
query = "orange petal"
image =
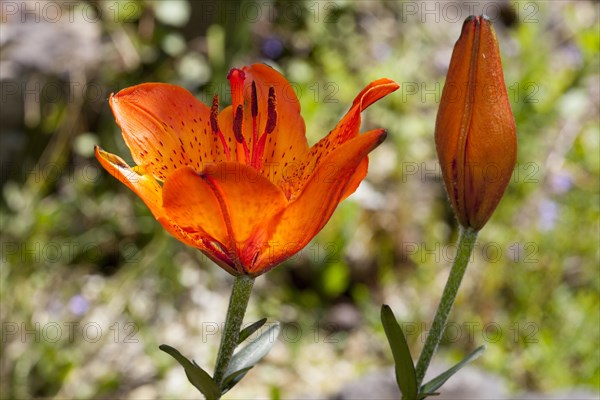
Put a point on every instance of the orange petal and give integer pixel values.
(192, 205)
(307, 215)
(374, 91)
(146, 187)
(136, 179)
(166, 127)
(230, 201)
(345, 130)
(357, 178)
(287, 143)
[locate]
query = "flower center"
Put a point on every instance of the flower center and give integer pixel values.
(253, 155)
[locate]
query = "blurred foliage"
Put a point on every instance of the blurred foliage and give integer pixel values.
(91, 284)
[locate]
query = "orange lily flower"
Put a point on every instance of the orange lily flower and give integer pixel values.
(475, 131)
(241, 185)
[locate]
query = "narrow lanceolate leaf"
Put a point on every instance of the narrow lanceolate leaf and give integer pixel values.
(253, 351)
(250, 329)
(405, 369)
(196, 375)
(437, 382)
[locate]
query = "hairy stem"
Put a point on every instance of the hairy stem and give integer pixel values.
(466, 243)
(238, 302)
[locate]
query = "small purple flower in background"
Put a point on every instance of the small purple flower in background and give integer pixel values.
(272, 47)
(548, 212)
(561, 182)
(78, 305)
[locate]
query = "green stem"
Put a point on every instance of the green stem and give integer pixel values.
(466, 243)
(238, 302)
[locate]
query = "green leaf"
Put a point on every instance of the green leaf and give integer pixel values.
(232, 380)
(250, 329)
(437, 382)
(405, 369)
(254, 351)
(196, 375)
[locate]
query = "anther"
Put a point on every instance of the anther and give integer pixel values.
(254, 111)
(238, 120)
(271, 111)
(214, 114)
(214, 125)
(257, 155)
(254, 102)
(237, 124)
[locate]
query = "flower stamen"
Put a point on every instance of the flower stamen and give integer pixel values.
(257, 156)
(254, 110)
(271, 111)
(214, 124)
(238, 121)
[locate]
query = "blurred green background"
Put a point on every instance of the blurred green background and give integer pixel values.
(91, 284)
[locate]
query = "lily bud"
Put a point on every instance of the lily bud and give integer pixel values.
(475, 133)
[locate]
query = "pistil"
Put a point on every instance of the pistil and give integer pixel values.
(236, 82)
(236, 79)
